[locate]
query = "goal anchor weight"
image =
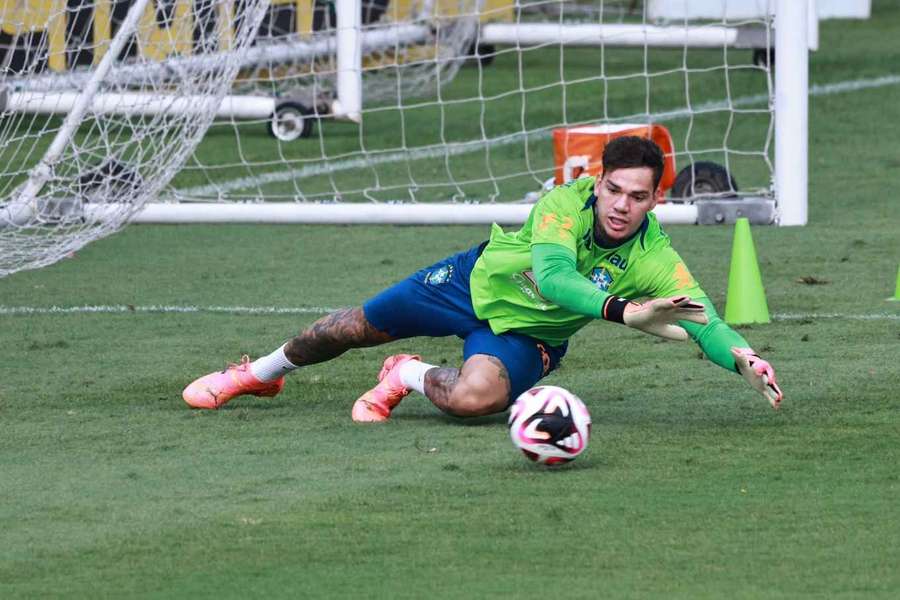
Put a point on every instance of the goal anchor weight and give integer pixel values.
(718, 211)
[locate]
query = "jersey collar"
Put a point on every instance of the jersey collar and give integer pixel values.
(642, 230)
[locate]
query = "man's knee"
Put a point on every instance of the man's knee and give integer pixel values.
(478, 394)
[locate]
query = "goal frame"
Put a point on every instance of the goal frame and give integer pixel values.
(788, 208)
(790, 181)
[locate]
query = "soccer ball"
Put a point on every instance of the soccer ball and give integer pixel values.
(549, 425)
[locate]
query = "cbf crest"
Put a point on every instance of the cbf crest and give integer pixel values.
(601, 278)
(439, 276)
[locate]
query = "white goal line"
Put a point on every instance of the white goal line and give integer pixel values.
(163, 308)
(322, 310)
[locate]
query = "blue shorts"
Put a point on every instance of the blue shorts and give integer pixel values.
(436, 302)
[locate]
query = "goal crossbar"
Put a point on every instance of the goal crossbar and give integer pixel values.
(624, 35)
(340, 213)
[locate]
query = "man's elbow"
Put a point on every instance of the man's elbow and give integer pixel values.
(547, 288)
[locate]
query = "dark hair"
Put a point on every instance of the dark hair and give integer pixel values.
(632, 151)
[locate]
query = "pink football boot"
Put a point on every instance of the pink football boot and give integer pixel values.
(216, 389)
(375, 405)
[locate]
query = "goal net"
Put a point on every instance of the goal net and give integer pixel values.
(96, 115)
(373, 110)
(463, 109)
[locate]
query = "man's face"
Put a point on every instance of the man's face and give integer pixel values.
(624, 197)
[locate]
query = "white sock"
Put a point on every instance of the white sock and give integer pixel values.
(272, 366)
(412, 374)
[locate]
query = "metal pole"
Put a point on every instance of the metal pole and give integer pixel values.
(791, 111)
(353, 213)
(348, 104)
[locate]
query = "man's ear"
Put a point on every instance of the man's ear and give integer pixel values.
(657, 196)
(598, 180)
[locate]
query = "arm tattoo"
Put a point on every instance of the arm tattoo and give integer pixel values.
(332, 335)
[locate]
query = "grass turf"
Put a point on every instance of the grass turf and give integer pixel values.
(691, 488)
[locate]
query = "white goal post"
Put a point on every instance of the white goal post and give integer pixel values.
(791, 112)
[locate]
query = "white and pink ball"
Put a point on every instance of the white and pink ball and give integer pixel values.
(550, 425)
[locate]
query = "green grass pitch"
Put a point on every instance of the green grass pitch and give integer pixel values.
(692, 486)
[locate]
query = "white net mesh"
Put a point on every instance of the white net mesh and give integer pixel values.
(463, 101)
(439, 125)
(404, 52)
(91, 129)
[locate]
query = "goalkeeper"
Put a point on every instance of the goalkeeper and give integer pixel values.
(590, 249)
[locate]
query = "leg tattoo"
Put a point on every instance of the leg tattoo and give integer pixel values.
(480, 387)
(502, 373)
(439, 384)
(333, 335)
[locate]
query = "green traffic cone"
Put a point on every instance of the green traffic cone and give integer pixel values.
(746, 299)
(896, 297)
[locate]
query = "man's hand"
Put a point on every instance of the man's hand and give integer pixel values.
(659, 317)
(759, 374)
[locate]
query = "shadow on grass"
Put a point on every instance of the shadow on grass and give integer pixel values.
(439, 417)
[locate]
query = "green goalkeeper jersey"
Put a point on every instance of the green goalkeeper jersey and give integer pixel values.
(504, 289)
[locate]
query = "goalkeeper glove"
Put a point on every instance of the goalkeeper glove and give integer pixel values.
(758, 373)
(656, 317)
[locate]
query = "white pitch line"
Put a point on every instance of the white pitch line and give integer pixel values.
(321, 310)
(816, 316)
(454, 149)
(159, 308)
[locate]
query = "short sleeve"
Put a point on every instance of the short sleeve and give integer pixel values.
(557, 219)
